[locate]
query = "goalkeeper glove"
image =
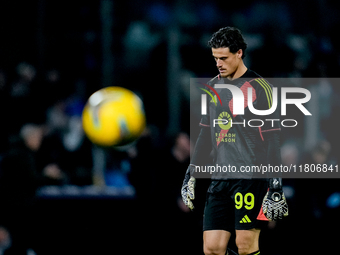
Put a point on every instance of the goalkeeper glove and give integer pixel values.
(274, 204)
(188, 187)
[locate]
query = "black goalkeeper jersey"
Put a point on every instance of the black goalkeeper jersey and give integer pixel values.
(238, 140)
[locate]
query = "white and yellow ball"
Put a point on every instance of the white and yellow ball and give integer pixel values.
(113, 116)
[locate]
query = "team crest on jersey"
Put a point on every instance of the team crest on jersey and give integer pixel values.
(224, 122)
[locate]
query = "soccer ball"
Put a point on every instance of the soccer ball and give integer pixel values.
(113, 116)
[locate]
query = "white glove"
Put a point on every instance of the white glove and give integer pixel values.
(188, 188)
(274, 204)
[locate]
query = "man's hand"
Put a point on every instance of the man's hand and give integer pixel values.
(274, 204)
(188, 188)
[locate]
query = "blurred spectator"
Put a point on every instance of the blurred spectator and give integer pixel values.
(5, 240)
(138, 41)
(23, 104)
(65, 143)
(19, 180)
(4, 112)
(312, 195)
(22, 86)
(118, 167)
(316, 196)
(18, 177)
(145, 159)
(52, 88)
(52, 161)
(177, 162)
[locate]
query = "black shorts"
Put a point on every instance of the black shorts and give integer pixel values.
(235, 204)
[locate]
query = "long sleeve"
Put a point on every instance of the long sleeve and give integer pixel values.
(203, 148)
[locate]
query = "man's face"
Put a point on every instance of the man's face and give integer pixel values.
(227, 62)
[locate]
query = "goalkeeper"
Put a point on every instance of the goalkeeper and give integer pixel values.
(236, 202)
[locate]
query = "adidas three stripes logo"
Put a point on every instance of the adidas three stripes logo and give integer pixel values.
(245, 219)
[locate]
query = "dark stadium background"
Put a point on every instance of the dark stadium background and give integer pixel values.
(55, 54)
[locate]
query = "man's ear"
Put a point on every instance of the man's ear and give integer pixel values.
(239, 53)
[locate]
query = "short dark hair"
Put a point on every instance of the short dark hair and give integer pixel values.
(230, 37)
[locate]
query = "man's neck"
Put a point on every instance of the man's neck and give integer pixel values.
(241, 70)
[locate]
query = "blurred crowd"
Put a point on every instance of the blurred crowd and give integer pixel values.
(42, 142)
